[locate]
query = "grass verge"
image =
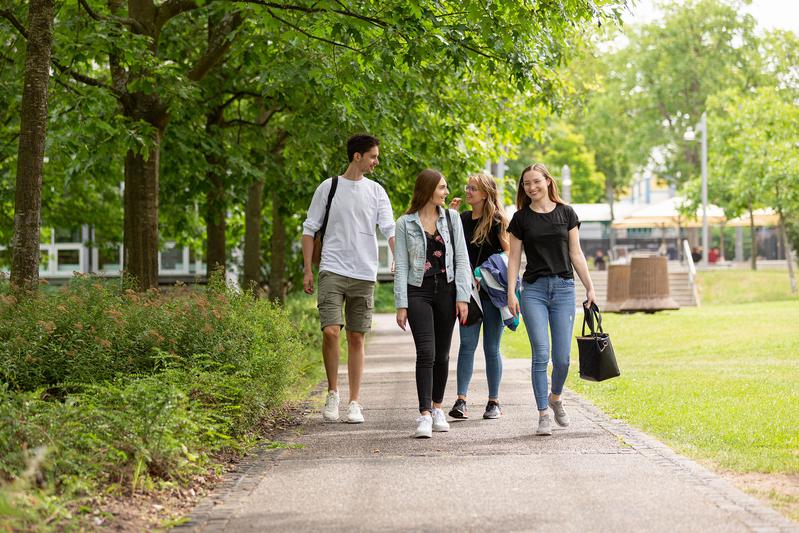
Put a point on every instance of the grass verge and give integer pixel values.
(721, 287)
(718, 383)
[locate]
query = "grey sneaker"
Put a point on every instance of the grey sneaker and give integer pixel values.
(440, 421)
(544, 426)
(424, 427)
(492, 410)
(330, 412)
(459, 410)
(561, 418)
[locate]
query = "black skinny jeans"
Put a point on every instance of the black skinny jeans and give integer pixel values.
(431, 315)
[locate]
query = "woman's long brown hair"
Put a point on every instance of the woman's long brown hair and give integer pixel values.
(426, 183)
(522, 200)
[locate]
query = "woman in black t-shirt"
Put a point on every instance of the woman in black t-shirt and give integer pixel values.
(548, 230)
(485, 229)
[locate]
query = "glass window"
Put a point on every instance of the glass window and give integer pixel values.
(44, 261)
(172, 258)
(68, 260)
(109, 260)
(64, 235)
(193, 258)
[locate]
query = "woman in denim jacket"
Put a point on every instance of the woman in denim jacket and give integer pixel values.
(431, 287)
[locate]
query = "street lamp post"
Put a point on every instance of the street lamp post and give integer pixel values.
(705, 229)
(689, 136)
(566, 178)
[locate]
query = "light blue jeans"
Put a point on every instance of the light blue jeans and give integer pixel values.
(492, 335)
(548, 305)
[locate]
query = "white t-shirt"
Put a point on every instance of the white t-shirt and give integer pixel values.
(350, 243)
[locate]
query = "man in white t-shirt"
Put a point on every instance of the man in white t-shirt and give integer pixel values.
(348, 266)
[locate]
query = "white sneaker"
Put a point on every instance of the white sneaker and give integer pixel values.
(440, 420)
(424, 427)
(354, 413)
(330, 412)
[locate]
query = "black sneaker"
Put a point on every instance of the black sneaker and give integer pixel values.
(492, 410)
(459, 410)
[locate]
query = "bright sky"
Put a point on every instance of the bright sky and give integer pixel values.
(770, 14)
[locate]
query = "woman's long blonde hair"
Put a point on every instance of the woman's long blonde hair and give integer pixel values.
(492, 209)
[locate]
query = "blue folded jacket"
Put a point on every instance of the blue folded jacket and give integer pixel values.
(493, 276)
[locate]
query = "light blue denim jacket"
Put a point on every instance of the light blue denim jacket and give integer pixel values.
(410, 254)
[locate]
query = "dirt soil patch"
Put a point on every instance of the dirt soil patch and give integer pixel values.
(158, 511)
(780, 491)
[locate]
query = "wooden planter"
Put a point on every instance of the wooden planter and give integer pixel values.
(649, 286)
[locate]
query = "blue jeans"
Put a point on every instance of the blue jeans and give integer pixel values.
(492, 334)
(548, 304)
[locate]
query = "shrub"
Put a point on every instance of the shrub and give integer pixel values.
(122, 388)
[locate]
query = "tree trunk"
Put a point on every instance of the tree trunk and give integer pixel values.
(252, 237)
(786, 246)
(30, 153)
(141, 217)
(722, 254)
(611, 231)
(277, 274)
(215, 224)
(753, 236)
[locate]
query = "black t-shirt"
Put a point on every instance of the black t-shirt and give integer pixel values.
(490, 246)
(436, 259)
(545, 237)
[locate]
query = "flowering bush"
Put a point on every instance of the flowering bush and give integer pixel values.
(121, 388)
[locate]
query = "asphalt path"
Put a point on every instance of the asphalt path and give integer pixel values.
(483, 475)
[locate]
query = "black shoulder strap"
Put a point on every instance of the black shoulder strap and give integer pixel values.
(451, 239)
(332, 193)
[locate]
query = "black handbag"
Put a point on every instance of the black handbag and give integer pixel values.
(475, 312)
(475, 306)
(597, 358)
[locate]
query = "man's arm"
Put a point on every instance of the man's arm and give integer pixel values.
(312, 224)
(307, 254)
(385, 217)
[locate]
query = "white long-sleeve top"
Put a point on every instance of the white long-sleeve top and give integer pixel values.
(350, 243)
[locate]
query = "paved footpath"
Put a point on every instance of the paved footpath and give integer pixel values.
(484, 475)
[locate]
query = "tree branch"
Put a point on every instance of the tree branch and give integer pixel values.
(310, 35)
(68, 87)
(135, 24)
(263, 119)
(83, 78)
(172, 8)
(237, 95)
(238, 122)
(311, 10)
(7, 14)
(267, 114)
(88, 80)
(217, 47)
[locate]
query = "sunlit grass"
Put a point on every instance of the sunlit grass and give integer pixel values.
(718, 382)
(718, 287)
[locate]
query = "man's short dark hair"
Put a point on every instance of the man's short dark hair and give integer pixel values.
(360, 144)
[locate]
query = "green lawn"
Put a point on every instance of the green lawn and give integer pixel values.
(744, 286)
(718, 382)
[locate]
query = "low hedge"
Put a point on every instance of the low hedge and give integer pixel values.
(121, 390)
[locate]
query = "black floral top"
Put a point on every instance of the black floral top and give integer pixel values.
(436, 258)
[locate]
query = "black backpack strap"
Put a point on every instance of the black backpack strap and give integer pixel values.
(451, 241)
(332, 193)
